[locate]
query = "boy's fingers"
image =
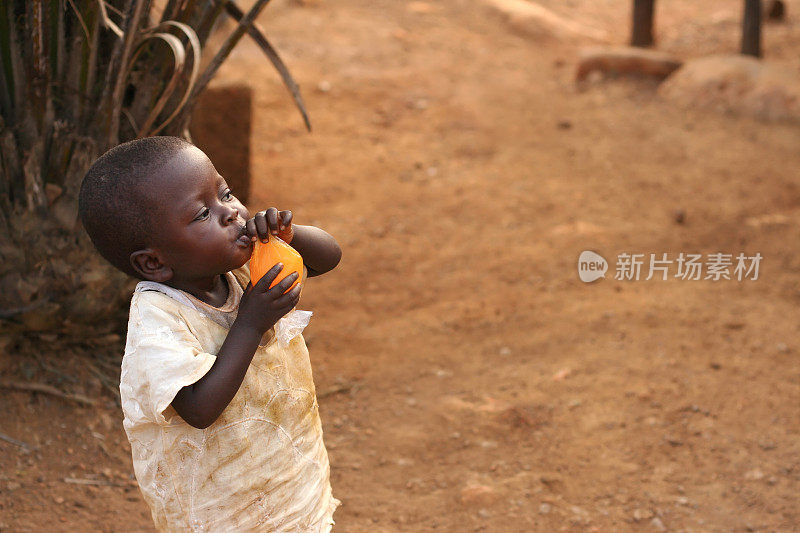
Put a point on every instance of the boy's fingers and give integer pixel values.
(261, 226)
(284, 284)
(250, 225)
(289, 299)
(264, 283)
(286, 219)
(272, 219)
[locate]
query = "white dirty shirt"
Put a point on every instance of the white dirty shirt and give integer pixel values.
(262, 465)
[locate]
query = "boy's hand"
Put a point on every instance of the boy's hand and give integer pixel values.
(319, 250)
(271, 222)
(201, 403)
(261, 307)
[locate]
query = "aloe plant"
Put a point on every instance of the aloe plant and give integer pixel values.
(78, 77)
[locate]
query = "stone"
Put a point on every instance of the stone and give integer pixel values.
(754, 475)
(478, 495)
(574, 403)
(579, 512)
(736, 84)
(625, 60)
(538, 22)
(551, 479)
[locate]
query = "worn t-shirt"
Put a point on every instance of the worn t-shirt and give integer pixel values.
(262, 465)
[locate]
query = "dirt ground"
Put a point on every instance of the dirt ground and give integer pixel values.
(468, 380)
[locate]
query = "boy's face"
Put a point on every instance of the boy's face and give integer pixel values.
(200, 225)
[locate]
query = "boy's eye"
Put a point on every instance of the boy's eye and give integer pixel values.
(227, 196)
(203, 214)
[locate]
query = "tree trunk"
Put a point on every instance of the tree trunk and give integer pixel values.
(642, 34)
(751, 28)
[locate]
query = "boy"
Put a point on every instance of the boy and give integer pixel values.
(222, 419)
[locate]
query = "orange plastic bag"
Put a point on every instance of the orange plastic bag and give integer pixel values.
(266, 255)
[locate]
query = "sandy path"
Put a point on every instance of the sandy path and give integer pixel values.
(464, 174)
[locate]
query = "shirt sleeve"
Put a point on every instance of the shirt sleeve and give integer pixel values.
(161, 357)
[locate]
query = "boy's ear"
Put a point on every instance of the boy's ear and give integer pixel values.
(148, 264)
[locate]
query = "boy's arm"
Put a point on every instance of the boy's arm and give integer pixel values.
(201, 403)
(320, 251)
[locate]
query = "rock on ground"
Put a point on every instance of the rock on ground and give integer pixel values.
(478, 495)
(625, 60)
(736, 84)
(537, 21)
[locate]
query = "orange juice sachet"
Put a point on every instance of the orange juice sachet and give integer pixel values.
(266, 255)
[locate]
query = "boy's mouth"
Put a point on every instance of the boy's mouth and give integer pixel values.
(243, 239)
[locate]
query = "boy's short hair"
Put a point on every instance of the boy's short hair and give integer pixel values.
(113, 210)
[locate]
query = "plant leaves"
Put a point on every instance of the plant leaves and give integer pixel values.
(179, 56)
(196, 50)
(258, 36)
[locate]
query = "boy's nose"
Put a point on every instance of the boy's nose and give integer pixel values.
(230, 215)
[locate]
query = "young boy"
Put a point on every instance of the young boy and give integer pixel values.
(222, 419)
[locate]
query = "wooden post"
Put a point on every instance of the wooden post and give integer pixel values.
(751, 28)
(642, 34)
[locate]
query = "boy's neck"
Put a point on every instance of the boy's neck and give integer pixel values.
(213, 291)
